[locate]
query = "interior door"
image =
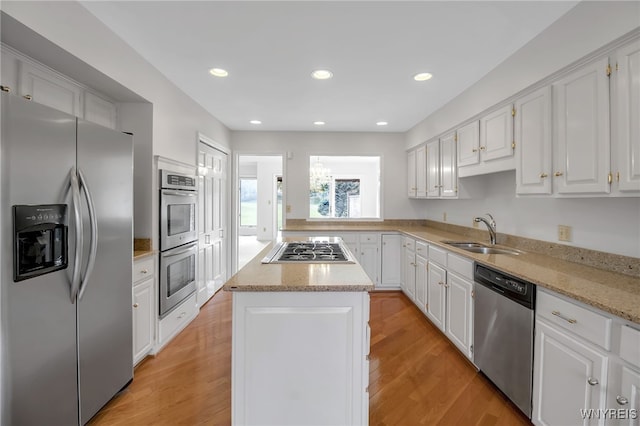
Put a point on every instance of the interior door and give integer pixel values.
(212, 221)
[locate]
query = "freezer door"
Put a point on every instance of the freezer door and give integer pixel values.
(105, 166)
(38, 318)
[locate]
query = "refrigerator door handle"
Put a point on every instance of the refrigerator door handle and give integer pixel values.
(75, 196)
(94, 233)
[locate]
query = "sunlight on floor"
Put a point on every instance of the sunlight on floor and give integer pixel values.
(248, 248)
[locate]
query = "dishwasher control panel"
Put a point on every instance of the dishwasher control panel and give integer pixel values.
(516, 289)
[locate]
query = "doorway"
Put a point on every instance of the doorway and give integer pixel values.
(259, 203)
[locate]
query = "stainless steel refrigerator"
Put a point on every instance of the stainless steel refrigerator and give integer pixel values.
(67, 208)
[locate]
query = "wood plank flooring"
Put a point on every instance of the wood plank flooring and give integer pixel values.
(416, 375)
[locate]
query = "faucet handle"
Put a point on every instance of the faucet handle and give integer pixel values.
(493, 221)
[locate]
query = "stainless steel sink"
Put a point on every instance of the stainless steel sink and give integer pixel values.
(480, 248)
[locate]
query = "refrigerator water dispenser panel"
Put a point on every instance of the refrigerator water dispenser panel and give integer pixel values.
(40, 240)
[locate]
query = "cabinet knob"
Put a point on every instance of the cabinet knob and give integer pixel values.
(543, 175)
(592, 381)
(483, 148)
(474, 150)
(622, 400)
(5, 89)
(440, 283)
(144, 271)
(135, 305)
(28, 97)
(558, 174)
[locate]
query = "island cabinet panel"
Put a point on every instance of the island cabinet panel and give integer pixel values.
(300, 358)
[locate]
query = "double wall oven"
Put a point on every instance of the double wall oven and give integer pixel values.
(178, 238)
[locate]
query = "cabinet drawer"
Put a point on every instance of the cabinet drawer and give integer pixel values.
(438, 255)
(409, 243)
(368, 238)
(460, 265)
(630, 345)
(587, 324)
(178, 318)
(143, 268)
(422, 248)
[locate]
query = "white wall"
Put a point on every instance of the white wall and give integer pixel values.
(268, 168)
(389, 146)
(606, 224)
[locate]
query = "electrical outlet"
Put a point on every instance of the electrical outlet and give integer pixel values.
(564, 233)
(444, 216)
(288, 208)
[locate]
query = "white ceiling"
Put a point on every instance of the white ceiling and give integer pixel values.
(373, 48)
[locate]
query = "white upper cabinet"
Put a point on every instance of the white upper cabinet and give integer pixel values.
(49, 89)
(534, 142)
(626, 117)
(496, 134)
(468, 138)
(411, 173)
(448, 167)
(421, 171)
(99, 110)
(433, 169)
(581, 131)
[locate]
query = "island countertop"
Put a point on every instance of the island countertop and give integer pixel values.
(258, 276)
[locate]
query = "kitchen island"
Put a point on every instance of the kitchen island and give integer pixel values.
(300, 343)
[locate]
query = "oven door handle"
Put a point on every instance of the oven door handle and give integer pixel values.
(179, 193)
(93, 248)
(187, 249)
(75, 196)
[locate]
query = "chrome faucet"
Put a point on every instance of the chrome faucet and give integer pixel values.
(490, 225)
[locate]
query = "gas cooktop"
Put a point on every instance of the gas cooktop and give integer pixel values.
(309, 252)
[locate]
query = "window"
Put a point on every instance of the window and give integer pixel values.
(248, 202)
(344, 187)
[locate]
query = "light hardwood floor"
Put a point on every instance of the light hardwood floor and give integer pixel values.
(416, 375)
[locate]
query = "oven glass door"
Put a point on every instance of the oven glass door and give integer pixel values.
(178, 276)
(177, 218)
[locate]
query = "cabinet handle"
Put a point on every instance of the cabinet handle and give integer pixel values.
(558, 174)
(543, 175)
(446, 285)
(440, 283)
(27, 97)
(6, 89)
(592, 381)
(182, 315)
(144, 271)
(622, 400)
(474, 150)
(559, 315)
(483, 148)
(135, 305)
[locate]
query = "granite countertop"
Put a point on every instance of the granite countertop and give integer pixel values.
(256, 276)
(612, 292)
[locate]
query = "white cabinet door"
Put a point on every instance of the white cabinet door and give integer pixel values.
(143, 318)
(391, 261)
(369, 261)
(448, 167)
(49, 89)
(468, 138)
(436, 295)
(421, 282)
(433, 169)
(581, 131)
(533, 142)
(99, 110)
(459, 312)
(625, 115)
(496, 134)
(410, 273)
(411, 173)
(568, 377)
(421, 172)
(624, 394)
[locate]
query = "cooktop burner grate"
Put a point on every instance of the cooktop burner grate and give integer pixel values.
(308, 252)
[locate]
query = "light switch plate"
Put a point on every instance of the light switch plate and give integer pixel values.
(564, 233)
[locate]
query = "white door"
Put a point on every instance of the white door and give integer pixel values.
(391, 262)
(459, 312)
(433, 169)
(581, 131)
(533, 142)
(369, 261)
(626, 113)
(144, 320)
(448, 167)
(411, 173)
(496, 134)
(436, 294)
(568, 376)
(421, 282)
(212, 219)
(468, 138)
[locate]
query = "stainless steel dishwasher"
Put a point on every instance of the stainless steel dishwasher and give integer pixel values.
(503, 333)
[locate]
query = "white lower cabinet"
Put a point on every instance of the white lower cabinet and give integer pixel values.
(368, 253)
(421, 279)
(409, 268)
(144, 307)
(391, 261)
(436, 294)
(459, 318)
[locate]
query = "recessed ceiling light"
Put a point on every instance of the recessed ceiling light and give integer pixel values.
(255, 122)
(423, 76)
(381, 123)
(218, 72)
(322, 74)
(319, 123)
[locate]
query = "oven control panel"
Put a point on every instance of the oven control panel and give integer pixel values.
(179, 181)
